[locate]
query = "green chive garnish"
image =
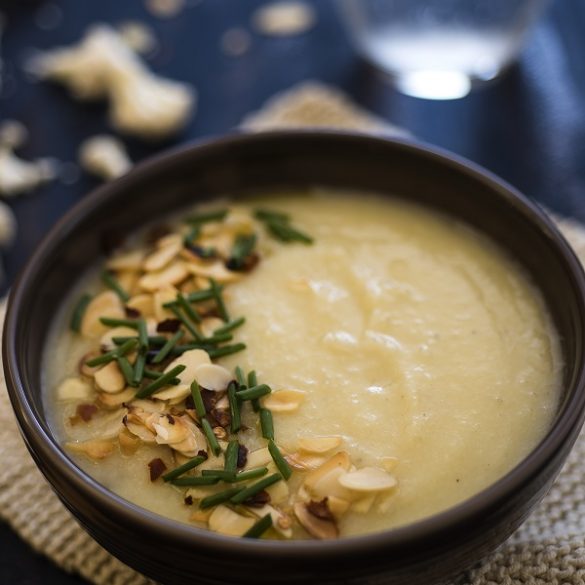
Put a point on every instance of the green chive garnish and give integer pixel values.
(266, 423)
(219, 498)
(225, 350)
(242, 248)
(166, 348)
(178, 471)
(279, 460)
(254, 392)
(218, 338)
(111, 282)
(194, 481)
(194, 297)
(155, 375)
(240, 377)
(221, 474)
(197, 399)
(259, 528)
(126, 369)
(211, 438)
(78, 313)
(106, 358)
(161, 381)
(139, 368)
(230, 326)
(142, 333)
(255, 488)
(187, 323)
(219, 300)
(286, 233)
(234, 407)
(268, 215)
(152, 340)
(191, 235)
(252, 379)
(231, 456)
(110, 322)
(207, 217)
(188, 309)
(251, 474)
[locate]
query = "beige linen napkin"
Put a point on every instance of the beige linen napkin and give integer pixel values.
(549, 549)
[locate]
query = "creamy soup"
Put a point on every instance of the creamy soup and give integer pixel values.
(400, 363)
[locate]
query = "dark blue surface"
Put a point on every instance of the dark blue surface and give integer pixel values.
(529, 127)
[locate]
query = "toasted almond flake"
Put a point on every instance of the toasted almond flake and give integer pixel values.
(96, 448)
(126, 261)
(201, 516)
(164, 295)
(279, 492)
(165, 253)
(389, 464)
(258, 458)
(226, 521)
(128, 280)
(147, 406)
(281, 522)
(316, 527)
(106, 342)
(181, 435)
(209, 325)
(216, 270)
(179, 392)
(129, 443)
(192, 360)
(213, 377)
(284, 400)
(84, 368)
(338, 506)
(114, 400)
(110, 378)
(106, 304)
(324, 481)
(363, 505)
(73, 389)
(319, 445)
(368, 479)
(136, 427)
(173, 274)
(143, 303)
(305, 461)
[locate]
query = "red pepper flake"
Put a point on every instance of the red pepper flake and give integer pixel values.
(242, 456)
(132, 313)
(202, 453)
(171, 419)
(157, 468)
(222, 417)
(258, 500)
(188, 500)
(168, 326)
(209, 399)
(86, 411)
(321, 510)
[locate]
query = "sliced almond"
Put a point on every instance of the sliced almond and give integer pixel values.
(106, 304)
(110, 378)
(84, 368)
(96, 449)
(115, 400)
(363, 505)
(389, 464)
(168, 249)
(106, 342)
(143, 303)
(258, 458)
(178, 393)
(338, 506)
(306, 461)
(201, 516)
(173, 274)
(74, 389)
(281, 522)
(126, 261)
(192, 360)
(147, 406)
(324, 481)
(319, 445)
(215, 270)
(316, 527)
(226, 521)
(129, 443)
(284, 400)
(136, 427)
(209, 325)
(110, 424)
(279, 492)
(128, 280)
(164, 295)
(213, 377)
(368, 479)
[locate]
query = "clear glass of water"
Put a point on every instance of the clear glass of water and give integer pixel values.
(440, 49)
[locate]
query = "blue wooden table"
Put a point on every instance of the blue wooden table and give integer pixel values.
(529, 127)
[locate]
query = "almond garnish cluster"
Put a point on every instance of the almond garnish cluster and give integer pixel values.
(152, 379)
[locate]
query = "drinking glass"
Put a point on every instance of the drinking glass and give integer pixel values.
(440, 49)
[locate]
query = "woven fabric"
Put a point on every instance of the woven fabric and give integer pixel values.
(549, 549)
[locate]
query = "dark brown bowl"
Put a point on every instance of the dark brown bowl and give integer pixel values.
(426, 552)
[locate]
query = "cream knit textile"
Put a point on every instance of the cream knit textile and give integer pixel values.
(549, 549)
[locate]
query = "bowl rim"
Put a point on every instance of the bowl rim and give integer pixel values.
(43, 444)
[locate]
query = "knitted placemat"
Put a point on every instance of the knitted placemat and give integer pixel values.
(549, 549)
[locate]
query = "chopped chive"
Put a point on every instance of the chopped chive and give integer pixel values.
(187, 323)
(279, 460)
(266, 423)
(219, 300)
(126, 369)
(230, 326)
(154, 375)
(221, 474)
(254, 392)
(226, 350)
(106, 358)
(194, 481)
(234, 407)
(286, 233)
(242, 248)
(251, 474)
(78, 312)
(255, 488)
(211, 438)
(240, 377)
(219, 338)
(259, 528)
(142, 333)
(166, 348)
(191, 235)
(127, 346)
(173, 474)
(269, 215)
(139, 368)
(194, 297)
(159, 382)
(111, 282)
(231, 456)
(252, 379)
(110, 322)
(219, 498)
(188, 309)
(197, 399)
(206, 217)
(152, 340)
